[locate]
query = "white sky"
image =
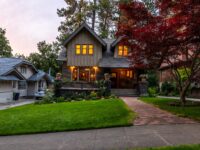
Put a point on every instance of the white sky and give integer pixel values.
(28, 22)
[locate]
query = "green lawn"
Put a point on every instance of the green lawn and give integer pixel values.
(65, 116)
(187, 111)
(186, 147)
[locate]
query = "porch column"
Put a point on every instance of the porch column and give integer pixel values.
(71, 69)
(78, 74)
(89, 74)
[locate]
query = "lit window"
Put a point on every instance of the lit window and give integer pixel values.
(122, 50)
(91, 49)
(78, 49)
(125, 51)
(131, 74)
(84, 50)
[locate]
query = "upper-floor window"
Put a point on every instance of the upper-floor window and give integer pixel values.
(122, 50)
(78, 49)
(23, 70)
(91, 49)
(84, 49)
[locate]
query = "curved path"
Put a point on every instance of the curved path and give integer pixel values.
(150, 115)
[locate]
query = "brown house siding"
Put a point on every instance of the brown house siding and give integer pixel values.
(84, 37)
(66, 71)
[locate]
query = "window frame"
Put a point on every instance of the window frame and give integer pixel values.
(77, 49)
(86, 49)
(122, 50)
(22, 87)
(23, 70)
(90, 49)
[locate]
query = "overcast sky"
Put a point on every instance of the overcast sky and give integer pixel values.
(29, 21)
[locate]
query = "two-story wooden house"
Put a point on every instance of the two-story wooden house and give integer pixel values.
(87, 58)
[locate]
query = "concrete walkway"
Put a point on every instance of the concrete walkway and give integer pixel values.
(15, 104)
(150, 115)
(173, 97)
(106, 139)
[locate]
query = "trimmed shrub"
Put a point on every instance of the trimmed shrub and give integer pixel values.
(152, 91)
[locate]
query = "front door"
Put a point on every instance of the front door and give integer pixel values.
(122, 78)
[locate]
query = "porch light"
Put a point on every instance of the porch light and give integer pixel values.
(72, 68)
(95, 68)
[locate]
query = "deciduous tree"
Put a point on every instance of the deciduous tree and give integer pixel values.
(170, 38)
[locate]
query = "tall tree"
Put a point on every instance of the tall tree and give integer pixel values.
(74, 14)
(108, 15)
(101, 15)
(171, 38)
(5, 48)
(46, 58)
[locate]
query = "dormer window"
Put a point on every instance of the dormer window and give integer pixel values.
(122, 50)
(23, 70)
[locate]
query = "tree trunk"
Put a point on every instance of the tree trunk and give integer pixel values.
(183, 92)
(182, 97)
(94, 15)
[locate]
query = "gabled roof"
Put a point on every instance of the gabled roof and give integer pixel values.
(39, 75)
(84, 26)
(9, 78)
(116, 41)
(8, 64)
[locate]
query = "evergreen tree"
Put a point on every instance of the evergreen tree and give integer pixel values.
(5, 48)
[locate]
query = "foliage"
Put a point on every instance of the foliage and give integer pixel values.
(184, 73)
(172, 37)
(163, 103)
(65, 117)
(74, 14)
(104, 88)
(152, 91)
(46, 59)
(5, 48)
(47, 99)
(169, 88)
(57, 87)
(152, 79)
(101, 15)
(93, 95)
(182, 147)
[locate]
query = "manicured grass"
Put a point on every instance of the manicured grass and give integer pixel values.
(187, 147)
(65, 116)
(187, 111)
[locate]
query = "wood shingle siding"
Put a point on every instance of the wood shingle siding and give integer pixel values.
(83, 37)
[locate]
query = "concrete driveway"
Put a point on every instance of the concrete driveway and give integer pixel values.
(16, 103)
(106, 139)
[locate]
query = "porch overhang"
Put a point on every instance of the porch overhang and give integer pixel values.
(111, 62)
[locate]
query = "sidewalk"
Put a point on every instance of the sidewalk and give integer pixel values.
(122, 138)
(148, 114)
(173, 97)
(16, 103)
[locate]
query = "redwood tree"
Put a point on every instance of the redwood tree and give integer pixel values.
(172, 37)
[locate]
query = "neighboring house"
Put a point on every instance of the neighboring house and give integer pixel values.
(87, 57)
(20, 76)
